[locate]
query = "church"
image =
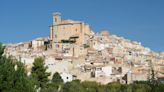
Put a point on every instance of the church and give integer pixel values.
(69, 31)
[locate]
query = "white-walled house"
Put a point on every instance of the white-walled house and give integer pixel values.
(66, 77)
(103, 71)
(99, 46)
(107, 70)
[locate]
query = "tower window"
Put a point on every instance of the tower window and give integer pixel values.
(55, 19)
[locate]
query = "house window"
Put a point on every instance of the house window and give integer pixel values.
(98, 68)
(57, 46)
(76, 29)
(55, 36)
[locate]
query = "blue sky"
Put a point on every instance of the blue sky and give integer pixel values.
(138, 20)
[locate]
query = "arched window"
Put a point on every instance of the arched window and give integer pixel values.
(55, 19)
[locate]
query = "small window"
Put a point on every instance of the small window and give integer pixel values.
(55, 19)
(57, 46)
(55, 36)
(76, 29)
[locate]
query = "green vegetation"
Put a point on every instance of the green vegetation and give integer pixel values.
(57, 79)
(1, 50)
(68, 41)
(88, 86)
(39, 73)
(13, 78)
(86, 46)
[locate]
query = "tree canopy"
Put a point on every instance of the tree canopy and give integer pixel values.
(39, 73)
(13, 77)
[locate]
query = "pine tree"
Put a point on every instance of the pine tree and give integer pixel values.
(1, 49)
(57, 78)
(13, 77)
(152, 80)
(39, 73)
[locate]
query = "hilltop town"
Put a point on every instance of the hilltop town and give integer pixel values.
(76, 52)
